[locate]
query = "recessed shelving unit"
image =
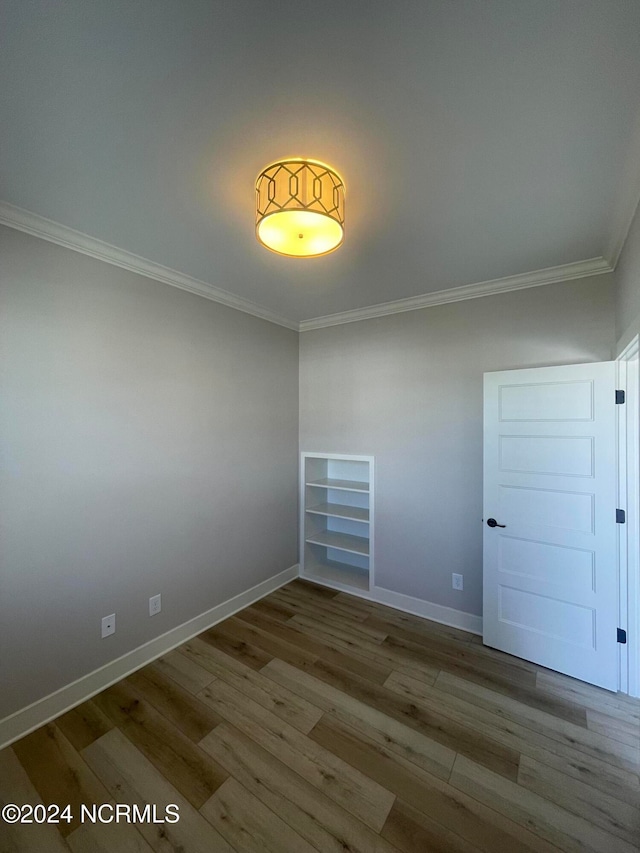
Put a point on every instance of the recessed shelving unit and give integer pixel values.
(336, 522)
(343, 485)
(355, 513)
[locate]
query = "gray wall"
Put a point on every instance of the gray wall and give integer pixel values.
(149, 442)
(627, 277)
(407, 388)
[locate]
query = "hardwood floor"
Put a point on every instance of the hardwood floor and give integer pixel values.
(315, 721)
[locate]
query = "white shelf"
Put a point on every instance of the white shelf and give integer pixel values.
(354, 513)
(340, 541)
(345, 485)
(338, 574)
(336, 520)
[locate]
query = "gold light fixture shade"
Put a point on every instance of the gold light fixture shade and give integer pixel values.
(300, 208)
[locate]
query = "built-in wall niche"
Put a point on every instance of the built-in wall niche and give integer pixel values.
(337, 520)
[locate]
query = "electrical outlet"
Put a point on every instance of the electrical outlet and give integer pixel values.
(457, 581)
(155, 605)
(108, 625)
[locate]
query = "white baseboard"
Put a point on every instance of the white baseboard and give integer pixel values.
(428, 610)
(44, 710)
(409, 604)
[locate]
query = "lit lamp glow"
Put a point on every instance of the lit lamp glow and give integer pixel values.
(300, 208)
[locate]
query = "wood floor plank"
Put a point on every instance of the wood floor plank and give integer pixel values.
(596, 807)
(241, 650)
(84, 724)
(334, 629)
(185, 672)
(434, 725)
(17, 788)
(316, 720)
(547, 819)
(597, 774)
(271, 608)
(389, 619)
(166, 747)
(449, 642)
(550, 725)
(321, 821)
(114, 837)
(282, 702)
(418, 629)
(490, 674)
(436, 799)
(349, 656)
(363, 603)
(613, 727)
(131, 778)
(304, 605)
(182, 708)
(564, 757)
(382, 729)
(365, 799)
(248, 825)
(235, 629)
(58, 773)
(312, 589)
(368, 654)
(348, 626)
(295, 592)
(586, 694)
(413, 832)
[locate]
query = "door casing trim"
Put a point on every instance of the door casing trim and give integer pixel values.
(628, 366)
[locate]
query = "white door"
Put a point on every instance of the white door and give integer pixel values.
(550, 564)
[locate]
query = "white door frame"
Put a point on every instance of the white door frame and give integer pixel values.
(629, 500)
(550, 582)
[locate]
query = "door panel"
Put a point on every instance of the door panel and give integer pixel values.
(550, 454)
(547, 616)
(551, 564)
(551, 508)
(550, 575)
(547, 401)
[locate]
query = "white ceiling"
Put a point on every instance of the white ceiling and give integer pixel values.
(477, 138)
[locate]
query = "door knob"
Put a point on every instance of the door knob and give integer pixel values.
(493, 523)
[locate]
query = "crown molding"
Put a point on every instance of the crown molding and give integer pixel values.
(62, 235)
(627, 202)
(620, 231)
(537, 278)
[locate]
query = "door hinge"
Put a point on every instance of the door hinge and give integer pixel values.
(622, 636)
(619, 397)
(620, 516)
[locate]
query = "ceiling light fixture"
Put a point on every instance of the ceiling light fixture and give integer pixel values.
(300, 208)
